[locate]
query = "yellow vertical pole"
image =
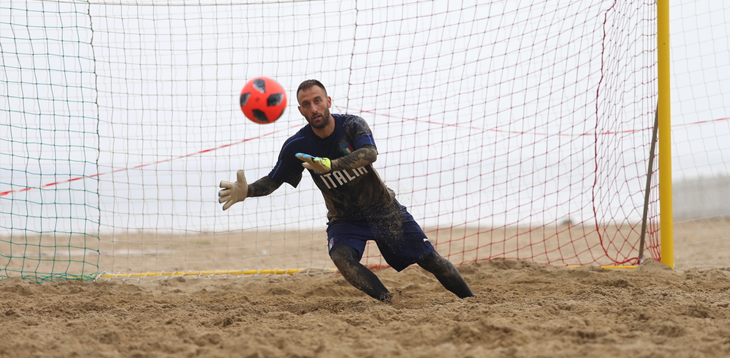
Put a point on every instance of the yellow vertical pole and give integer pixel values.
(666, 215)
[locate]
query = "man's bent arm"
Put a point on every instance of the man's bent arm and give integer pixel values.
(361, 157)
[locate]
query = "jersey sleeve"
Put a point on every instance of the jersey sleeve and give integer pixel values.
(288, 168)
(359, 130)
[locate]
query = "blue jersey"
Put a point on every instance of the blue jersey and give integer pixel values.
(351, 194)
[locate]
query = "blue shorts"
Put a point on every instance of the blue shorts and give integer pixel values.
(401, 242)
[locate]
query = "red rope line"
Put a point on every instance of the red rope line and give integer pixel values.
(143, 165)
(7, 192)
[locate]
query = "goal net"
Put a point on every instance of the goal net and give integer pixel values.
(509, 129)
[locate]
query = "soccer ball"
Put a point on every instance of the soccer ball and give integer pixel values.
(263, 100)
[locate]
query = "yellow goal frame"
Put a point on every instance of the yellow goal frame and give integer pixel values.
(666, 216)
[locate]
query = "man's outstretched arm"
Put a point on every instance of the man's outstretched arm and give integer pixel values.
(233, 192)
(263, 187)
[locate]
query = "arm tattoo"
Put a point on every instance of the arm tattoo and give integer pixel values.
(263, 187)
(359, 158)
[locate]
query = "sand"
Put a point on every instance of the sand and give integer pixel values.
(521, 309)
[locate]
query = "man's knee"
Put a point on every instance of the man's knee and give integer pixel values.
(344, 255)
(446, 273)
(436, 263)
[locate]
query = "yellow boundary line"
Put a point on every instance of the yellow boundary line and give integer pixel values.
(267, 272)
(272, 272)
(609, 267)
(206, 273)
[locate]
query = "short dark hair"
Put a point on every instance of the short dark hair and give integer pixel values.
(310, 83)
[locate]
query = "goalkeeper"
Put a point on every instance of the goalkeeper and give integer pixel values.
(338, 151)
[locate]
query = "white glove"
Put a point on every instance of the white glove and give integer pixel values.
(233, 192)
(318, 164)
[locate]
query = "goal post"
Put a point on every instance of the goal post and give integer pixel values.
(664, 109)
(509, 131)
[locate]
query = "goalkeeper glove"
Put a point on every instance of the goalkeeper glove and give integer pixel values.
(318, 164)
(232, 193)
